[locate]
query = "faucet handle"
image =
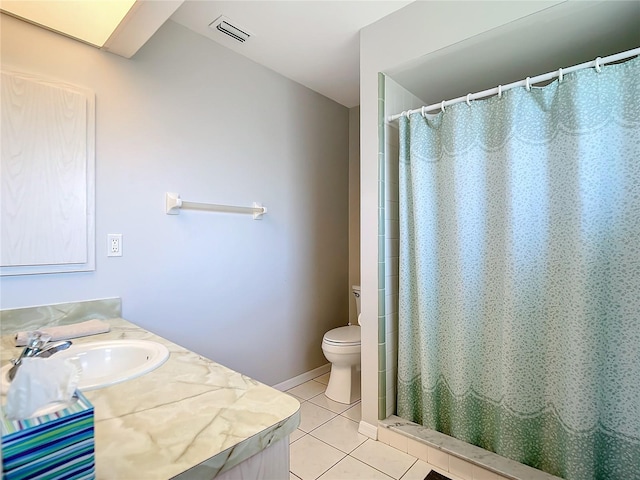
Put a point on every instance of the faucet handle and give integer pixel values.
(37, 339)
(33, 338)
(44, 339)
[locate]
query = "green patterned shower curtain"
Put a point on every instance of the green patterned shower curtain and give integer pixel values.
(520, 273)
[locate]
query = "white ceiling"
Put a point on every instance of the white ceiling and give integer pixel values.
(315, 43)
(561, 36)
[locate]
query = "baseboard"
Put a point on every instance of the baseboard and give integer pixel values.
(368, 430)
(305, 377)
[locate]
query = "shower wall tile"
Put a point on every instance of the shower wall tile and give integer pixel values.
(392, 229)
(391, 245)
(394, 245)
(393, 137)
(381, 221)
(382, 404)
(391, 142)
(391, 305)
(381, 278)
(392, 285)
(391, 400)
(459, 467)
(393, 175)
(382, 269)
(392, 324)
(384, 435)
(391, 392)
(382, 334)
(382, 244)
(381, 304)
(396, 99)
(416, 449)
(482, 474)
(438, 458)
(392, 209)
(381, 163)
(399, 442)
(393, 264)
(392, 191)
(392, 349)
(391, 375)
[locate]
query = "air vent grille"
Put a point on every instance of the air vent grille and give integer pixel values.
(224, 25)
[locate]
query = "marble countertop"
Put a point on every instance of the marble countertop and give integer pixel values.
(191, 417)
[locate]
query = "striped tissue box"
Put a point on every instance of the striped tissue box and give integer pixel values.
(54, 446)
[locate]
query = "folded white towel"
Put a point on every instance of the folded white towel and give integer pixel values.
(64, 332)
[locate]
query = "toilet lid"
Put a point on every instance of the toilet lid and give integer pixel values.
(349, 335)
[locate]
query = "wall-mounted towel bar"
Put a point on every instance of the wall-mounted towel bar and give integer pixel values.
(173, 205)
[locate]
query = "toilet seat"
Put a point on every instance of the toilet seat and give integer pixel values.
(343, 336)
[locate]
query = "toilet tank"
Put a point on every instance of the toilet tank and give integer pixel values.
(355, 289)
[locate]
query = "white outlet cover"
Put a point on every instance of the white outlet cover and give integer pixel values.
(114, 245)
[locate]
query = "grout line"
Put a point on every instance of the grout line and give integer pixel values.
(345, 456)
(371, 466)
(410, 466)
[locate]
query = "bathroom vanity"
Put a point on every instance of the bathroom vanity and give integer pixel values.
(191, 418)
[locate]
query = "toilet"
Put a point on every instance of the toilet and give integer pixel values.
(341, 346)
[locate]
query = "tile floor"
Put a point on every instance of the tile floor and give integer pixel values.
(327, 444)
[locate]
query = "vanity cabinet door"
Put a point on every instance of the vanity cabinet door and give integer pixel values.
(47, 176)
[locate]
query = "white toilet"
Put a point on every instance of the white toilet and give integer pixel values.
(341, 346)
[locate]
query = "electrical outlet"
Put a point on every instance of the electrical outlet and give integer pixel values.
(114, 245)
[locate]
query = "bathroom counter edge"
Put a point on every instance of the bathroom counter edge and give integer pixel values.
(191, 417)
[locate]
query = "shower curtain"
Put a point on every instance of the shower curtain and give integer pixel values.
(519, 300)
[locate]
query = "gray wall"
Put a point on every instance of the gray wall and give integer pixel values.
(189, 116)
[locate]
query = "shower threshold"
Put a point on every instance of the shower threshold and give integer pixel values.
(504, 467)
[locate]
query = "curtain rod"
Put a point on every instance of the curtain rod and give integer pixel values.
(597, 63)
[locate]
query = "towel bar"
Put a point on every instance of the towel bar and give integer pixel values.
(173, 205)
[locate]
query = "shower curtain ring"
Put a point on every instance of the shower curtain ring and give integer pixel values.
(528, 84)
(442, 106)
(408, 113)
(560, 75)
(423, 114)
(468, 101)
(499, 91)
(598, 67)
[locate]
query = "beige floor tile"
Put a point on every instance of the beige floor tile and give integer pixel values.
(351, 469)
(307, 390)
(341, 433)
(312, 416)
(310, 457)
(323, 379)
(323, 401)
(418, 471)
(293, 477)
(354, 413)
(295, 435)
(384, 458)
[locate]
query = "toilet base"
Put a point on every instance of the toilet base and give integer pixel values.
(344, 384)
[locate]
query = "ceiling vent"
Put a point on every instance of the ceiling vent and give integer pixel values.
(224, 25)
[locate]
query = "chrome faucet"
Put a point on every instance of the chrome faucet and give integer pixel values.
(37, 346)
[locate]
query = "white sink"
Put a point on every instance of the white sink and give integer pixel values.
(109, 362)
